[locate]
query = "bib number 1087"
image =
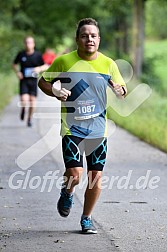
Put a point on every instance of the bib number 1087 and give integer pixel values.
(86, 109)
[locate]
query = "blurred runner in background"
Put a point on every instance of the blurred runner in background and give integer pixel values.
(27, 65)
(48, 56)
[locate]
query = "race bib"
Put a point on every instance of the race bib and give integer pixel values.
(29, 72)
(86, 109)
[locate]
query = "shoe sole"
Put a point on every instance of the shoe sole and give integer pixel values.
(89, 232)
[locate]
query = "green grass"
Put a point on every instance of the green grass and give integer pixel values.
(149, 121)
(158, 50)
(8, 87)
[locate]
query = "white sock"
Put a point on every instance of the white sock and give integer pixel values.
(84, 216)
(70, 194)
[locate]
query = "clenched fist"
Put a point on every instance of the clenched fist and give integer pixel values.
(61, 93)
(120, 91)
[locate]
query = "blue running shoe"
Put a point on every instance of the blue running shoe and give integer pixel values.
(87, 226)
(64, 203)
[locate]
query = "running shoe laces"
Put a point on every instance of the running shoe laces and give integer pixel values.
(68, 200)
(87, 226)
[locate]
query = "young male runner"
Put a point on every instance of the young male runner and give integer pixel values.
(84, 75)
(31, 63)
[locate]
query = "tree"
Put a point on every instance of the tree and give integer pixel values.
(138, 36)
(116, 26)
(8, 36)
(156, 13)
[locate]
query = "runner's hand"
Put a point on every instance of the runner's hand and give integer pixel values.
(62, 93)
(119, 90)
(19, 75)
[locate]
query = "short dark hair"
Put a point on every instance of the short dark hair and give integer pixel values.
(86, 21)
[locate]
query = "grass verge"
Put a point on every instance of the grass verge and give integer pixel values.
(8, 87)
(148, 122)
(157, 50)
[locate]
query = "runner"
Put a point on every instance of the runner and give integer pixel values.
(48, 56)
(31, 63)
(79, 80)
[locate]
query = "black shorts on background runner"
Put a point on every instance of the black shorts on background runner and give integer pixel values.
(28, 86)
(74, 148)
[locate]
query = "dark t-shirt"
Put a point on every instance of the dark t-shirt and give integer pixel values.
(28, 62)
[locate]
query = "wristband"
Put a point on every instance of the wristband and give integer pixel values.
(124, 91)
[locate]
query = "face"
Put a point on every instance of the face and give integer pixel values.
(88, 40)
(29, 43)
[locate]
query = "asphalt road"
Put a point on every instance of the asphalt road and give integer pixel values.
(131, 214)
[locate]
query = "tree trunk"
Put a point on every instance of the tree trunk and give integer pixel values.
(138, 36)
(121, 40)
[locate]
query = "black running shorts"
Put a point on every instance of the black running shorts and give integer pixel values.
(95, 151)
(28, 86)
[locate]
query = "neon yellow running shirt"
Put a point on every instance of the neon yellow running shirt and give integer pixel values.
(84, 113)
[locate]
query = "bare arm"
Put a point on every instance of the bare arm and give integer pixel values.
(17, 71)
(45, 86)
(40, 69)
(54, 90)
